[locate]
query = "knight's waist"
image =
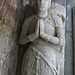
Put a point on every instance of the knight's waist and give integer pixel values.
(44, 47)
(42, 42)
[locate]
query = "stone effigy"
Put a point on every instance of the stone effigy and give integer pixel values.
(46, 33)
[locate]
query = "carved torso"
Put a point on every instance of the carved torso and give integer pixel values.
(43, 57)
(49, 28)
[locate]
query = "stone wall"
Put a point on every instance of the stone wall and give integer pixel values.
(69, 39)
(11, 18)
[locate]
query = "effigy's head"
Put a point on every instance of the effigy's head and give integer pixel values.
(43, 4)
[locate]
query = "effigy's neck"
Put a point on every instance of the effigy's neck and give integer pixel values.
(42, 14)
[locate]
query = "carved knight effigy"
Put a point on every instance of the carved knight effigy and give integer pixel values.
(46, 33)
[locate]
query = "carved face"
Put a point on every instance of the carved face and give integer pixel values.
(43, 4)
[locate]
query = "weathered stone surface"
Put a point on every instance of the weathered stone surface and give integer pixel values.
(69, 55)
(74, 35)
(11, 29)
(69, 39)
(11, 17)
(70, 5)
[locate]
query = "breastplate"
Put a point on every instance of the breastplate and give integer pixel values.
(49, 26)
(49, 29)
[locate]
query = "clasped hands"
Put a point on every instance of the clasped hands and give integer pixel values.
(40, 30)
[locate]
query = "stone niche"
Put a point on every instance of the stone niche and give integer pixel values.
(12, 15)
